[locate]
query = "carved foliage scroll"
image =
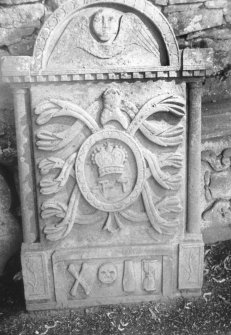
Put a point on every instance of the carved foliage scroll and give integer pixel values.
(112, 168)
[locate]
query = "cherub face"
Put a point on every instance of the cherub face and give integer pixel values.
(105, 24)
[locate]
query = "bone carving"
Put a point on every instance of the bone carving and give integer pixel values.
(85, 278)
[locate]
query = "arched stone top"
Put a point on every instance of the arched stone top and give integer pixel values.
(51, 32)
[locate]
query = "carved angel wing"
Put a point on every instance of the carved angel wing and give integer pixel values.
(134, 31)
(74, 35)
(131, 30)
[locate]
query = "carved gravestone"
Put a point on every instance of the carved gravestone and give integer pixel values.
(108, 130)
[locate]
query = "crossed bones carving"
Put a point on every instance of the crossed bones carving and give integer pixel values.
(83, 277)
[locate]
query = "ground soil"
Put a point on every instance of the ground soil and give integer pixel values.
(208, 314)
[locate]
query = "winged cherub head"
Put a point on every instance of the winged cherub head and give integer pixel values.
(105, 24)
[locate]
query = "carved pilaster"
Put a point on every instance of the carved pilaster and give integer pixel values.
(21, 108)
(194, 158)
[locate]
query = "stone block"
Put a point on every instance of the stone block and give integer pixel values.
(24, 16)
(227, 13)
(216, 4)
(182, 8)
(214, 34)
(197, 58)
(23, 48)
(10, 36)
(193, 21)
(222, 55)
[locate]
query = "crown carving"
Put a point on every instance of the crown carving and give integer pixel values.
(109, 158)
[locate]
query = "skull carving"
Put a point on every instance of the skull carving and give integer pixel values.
(107, 273)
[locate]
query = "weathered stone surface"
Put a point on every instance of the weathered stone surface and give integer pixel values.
(216, 119)
(216, 34)
(216, 234)
(54, 4)
(16, 66)
(216, 176)
(227, 13)
(193, 21)
(24, 16)
(197, 58)
(216, 4)
(13, 35)
(3, 52)
(23, 48)
(161, 2)
(217, 89)
(222, 55)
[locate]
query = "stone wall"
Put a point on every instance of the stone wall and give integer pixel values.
(197, 23)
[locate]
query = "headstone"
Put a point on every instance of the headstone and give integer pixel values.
(109, 133)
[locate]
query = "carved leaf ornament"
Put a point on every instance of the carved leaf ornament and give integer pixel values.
(110, 153)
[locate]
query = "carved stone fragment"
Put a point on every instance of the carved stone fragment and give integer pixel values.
(217, 186)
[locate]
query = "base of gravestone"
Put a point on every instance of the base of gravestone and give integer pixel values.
(83, 277)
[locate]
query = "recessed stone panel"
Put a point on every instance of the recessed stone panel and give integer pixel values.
(36, 276)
